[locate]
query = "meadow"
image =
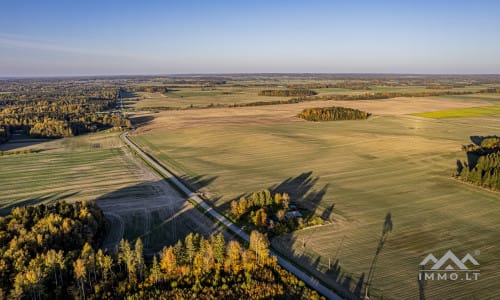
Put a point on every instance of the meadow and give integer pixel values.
(80, 168)
(462, 112)
(391, 163)
(99, 167)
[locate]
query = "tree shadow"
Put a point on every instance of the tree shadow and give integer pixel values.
(197, 182)
(22, 141)
(346, 284)
(326, 215)
(153, 211)
(302, 192)
(421, 287)
(479, 139)
(139, 121)
(386, 229)
(45, 199)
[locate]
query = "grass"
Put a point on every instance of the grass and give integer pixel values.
(462, 112)
(70, 169)
(75, 169)
(246, 92)
(396, 164)
(185, 97)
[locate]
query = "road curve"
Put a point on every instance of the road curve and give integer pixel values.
(309, 280)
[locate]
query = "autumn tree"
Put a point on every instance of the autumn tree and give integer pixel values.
(168, 261)
(260, 245)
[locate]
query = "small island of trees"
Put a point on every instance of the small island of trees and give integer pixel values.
(482, 166)
(273, 214)
(333, 113)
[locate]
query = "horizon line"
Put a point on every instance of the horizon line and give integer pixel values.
(238, 73)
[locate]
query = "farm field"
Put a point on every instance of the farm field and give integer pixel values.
(391, 163)
(199, 96)
(462, 112)
(98, 167)
(391, 89)
(241, 92)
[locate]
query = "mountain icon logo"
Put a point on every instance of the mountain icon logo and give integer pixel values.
(449, 261)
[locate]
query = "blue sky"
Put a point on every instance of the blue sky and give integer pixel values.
(168, 37)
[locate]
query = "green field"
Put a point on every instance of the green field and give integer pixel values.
(462, 112)
(80, 168)
(98, 167)
(388, 164)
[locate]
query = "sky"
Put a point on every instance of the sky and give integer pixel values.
(108, 37)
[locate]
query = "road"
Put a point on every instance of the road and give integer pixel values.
(308, 279)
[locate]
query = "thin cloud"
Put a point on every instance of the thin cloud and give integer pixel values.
(7, 41)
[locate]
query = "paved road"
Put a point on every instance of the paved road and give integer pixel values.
(311, 281)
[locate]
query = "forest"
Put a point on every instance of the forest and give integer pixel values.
(59, 111)
(288, 93)
(53, 252)
(333, 113)
(482, 165)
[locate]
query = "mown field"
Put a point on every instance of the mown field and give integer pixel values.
(390, 163)
(98, 167)
(80, 168)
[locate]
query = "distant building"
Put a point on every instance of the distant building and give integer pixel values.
(293, 214)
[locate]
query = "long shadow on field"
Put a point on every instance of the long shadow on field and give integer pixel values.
(302, 190)
(345, 284)
(148, 211)
(386, 229)
(348, 285)
(16, 142)
(198, 182)
(303, 193)
(48, 198)
(138, 121)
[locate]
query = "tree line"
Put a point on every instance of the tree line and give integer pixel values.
(482, 166)
(339, 97)
(333, 113)
(147, 88)
(288, 93)
(53, 252)
(349, 84)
